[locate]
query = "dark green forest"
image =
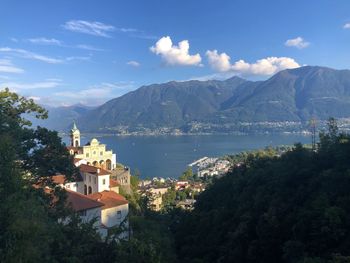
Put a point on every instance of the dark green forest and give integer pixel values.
(293, 207)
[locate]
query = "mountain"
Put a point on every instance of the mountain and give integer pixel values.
(293, 95)
(61, 118)
(171, 104)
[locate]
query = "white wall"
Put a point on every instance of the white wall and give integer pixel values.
(103, 187)
(91, 214)
(114, 160)
(110, 216)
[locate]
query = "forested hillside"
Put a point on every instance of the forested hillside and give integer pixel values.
(293, 208)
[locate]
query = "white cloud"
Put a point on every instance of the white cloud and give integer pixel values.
(6, 66)
(346, 26)
(176, 55)
(265, 66)
(81, 58)
(89, 27)
(219, 62)
(30, 55)
(297, 42)
(95, 95)
(16, 86)
(45, 41)
(88, 47)
(133, 63)
(34, 98)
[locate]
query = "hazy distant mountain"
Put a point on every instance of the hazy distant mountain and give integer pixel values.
(290, 95)
(61, 118)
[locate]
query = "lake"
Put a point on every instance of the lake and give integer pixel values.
(168, 156)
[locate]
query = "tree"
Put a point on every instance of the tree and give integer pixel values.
(292, 208)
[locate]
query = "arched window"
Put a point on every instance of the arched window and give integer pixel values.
(109, 164)
(76, 143)
(85, 189)
(90, 190)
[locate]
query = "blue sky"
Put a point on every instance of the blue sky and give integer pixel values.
(67, 52)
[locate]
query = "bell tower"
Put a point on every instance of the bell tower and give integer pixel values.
(75, 136)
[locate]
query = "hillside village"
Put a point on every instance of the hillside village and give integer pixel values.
(94, 194)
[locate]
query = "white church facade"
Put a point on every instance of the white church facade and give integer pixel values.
(93, 152)
(94, 194)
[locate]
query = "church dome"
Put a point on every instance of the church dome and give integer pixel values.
(94, 141)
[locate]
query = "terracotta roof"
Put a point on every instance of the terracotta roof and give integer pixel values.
(113, 183)
(109, 199)
(58, 179)
(61, 179)
(81, 202)
(93, 170)
(74, 148)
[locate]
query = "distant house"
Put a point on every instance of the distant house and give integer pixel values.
(155, 195)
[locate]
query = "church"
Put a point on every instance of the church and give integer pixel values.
(94, 195)
(93, 152)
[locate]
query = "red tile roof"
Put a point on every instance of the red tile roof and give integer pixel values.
(76, 149)
(93, 170)
(81, 202)
(109, 199)
(113, 183)
(61, 179)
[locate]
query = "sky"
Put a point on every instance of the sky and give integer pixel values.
(67, 52)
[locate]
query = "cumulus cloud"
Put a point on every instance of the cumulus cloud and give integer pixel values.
(30, 55)
(6, 66)
(297, 42)
(175, 54)
(265, 66)
(45, 41)
(133, 63)
(89, 27)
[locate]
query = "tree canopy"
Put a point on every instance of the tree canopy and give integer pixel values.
(292, 208)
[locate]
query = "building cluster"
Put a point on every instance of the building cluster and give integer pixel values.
(209, 167)
(156, 188)
(94, 194)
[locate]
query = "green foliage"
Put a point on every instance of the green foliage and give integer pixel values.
(31, 221)
(187, 175)
(292, 208)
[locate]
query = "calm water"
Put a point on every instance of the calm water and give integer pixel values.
(168, 156)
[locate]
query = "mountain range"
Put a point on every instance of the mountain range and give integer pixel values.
(293, 95)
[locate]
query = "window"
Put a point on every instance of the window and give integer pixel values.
(104, 181)
(94, 153)
(90, 178)
(101, 153)
(119, 214)
(87, 155)
(94, 180)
